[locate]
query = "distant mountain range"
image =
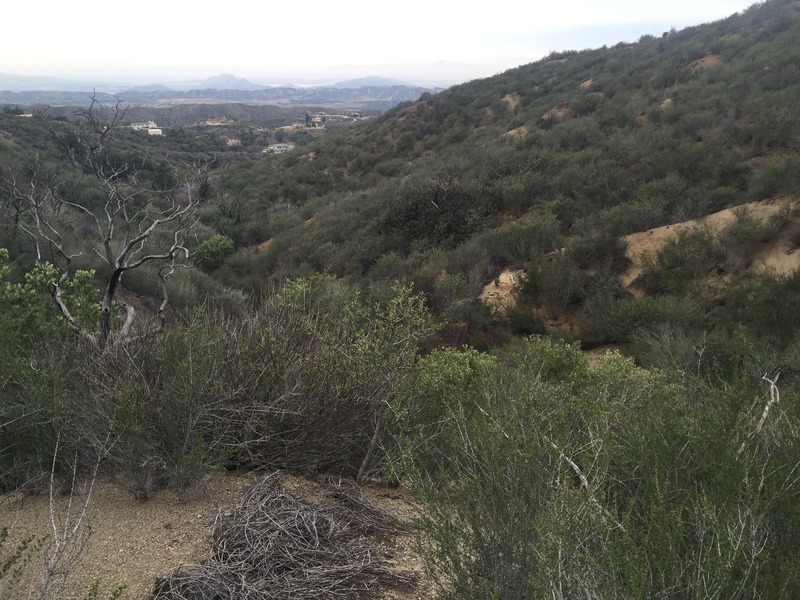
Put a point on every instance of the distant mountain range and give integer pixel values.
(366, 93)
(223, 81)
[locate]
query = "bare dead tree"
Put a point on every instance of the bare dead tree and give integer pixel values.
(69, 530)
(61, 549)
(121, 230)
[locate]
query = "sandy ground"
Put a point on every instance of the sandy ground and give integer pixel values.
(133, 542)
(499, 294)
(130, 542)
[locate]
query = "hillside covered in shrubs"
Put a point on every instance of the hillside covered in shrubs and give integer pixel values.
(165, 313)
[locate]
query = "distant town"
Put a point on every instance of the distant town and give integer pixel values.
(318, 121)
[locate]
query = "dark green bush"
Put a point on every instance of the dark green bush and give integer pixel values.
(683, 261)
(617, 319)
(556, 281)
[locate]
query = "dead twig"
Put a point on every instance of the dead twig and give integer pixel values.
(276, 545)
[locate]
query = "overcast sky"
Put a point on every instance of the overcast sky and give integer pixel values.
(267, 41)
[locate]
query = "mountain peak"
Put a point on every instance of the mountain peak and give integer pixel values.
(227, 81)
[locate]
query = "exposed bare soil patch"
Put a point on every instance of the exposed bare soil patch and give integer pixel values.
(499, 294)
(519, 132)
(709, 60)
(133, 542)
(511, 100)
(778, 255)
(557, 112)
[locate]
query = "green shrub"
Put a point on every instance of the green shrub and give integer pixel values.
(599, 250)
(683, 261)
(524, 322)
(542, 476)
(775, 177)
(14, 561)
(212, 252)
(744, 235)
(617, 319)
(768, 304)
(556, 282)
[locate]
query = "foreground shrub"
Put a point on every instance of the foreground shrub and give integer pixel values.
(547, 477)
(315, 380)
(618, 319)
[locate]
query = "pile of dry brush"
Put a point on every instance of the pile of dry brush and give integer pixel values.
(276, 545)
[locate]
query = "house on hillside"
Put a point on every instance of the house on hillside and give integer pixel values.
(279, 148)
(144, 126)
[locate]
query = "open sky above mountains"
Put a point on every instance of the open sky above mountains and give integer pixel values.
(322, 42)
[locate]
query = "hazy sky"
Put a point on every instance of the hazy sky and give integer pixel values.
(269, 41)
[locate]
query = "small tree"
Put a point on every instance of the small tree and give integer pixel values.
(125, 222)
(213, 252)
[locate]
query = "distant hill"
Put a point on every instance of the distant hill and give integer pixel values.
(26, 83)
(544, 170)
(375, 98)
(226, 81)
(22, 83)
(56, 98)
(369, 94)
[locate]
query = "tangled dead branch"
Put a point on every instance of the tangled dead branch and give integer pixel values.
(370, 519)
(276, 545)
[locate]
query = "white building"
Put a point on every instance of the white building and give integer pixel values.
(279, 148)
(141, 126)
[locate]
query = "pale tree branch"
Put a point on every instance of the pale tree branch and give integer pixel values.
(65, 312)
(774, 398)
(70, 531)
(585, 484)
